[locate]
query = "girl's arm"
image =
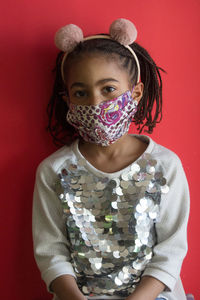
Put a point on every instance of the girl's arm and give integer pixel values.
(163, 271)
(148, 289)
(65, 288)
(51, 247)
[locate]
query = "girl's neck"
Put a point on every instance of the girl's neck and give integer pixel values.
(108, 152)
(114, 157)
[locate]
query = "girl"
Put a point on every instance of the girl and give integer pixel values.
(110, 208)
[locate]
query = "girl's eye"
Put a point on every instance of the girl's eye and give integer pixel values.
(109, 89)
(79, 94)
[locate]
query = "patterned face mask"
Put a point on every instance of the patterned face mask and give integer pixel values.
(104, 123)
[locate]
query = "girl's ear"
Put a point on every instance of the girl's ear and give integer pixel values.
(138, 91)
(66, 99)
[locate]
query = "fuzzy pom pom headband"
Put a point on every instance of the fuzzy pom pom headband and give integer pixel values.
(121, 30)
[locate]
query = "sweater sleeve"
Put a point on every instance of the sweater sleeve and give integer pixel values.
(51, 247)
(171, 229)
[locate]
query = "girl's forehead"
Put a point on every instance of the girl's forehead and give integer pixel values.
(94, 66)
(92, 59)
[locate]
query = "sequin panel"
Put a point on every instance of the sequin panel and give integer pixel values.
(110, 223)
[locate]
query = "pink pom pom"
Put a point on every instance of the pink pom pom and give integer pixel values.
(67, 37)
(123, 31)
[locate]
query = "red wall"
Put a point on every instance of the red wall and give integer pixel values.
(168, 29)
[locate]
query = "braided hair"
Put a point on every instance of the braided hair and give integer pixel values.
(149, 110)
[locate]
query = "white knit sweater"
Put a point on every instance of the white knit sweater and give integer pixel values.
(51, 245)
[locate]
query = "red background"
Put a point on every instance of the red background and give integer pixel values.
(170, 32)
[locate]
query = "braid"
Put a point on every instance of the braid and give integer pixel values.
(152, 94)
(62, 132)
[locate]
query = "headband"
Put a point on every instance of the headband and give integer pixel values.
(121, 30)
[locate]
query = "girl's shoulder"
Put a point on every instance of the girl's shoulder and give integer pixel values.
(166, 164)
(165, 157)
(49, 166)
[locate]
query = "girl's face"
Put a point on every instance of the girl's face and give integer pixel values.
(95, 79)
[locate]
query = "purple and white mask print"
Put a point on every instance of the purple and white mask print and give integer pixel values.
(104, 123)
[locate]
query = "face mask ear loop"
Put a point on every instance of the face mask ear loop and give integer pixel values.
(132, 89)
(132, 93)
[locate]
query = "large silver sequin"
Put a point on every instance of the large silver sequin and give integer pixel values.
(111, 223)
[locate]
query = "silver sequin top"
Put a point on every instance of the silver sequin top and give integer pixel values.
(110, 223)
(133, 209)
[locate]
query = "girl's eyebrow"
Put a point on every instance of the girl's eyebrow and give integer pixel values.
(99, 82)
